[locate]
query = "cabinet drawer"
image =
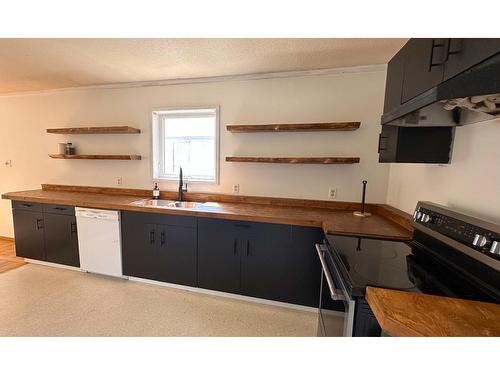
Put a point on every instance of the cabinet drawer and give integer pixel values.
(28, 206)
(59, 209)
(166, 219)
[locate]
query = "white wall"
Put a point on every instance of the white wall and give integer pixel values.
(471, 183)
(340, 97)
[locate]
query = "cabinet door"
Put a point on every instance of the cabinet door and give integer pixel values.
(464, 53)
(176, 256)
(279, 262)
(28, 232)
(265, 267)
(61, 239)
(219, 249)
(424, 59)
(139, 246)
(394, 81)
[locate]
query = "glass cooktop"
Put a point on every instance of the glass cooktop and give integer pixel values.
(373, 262)
(364, 262)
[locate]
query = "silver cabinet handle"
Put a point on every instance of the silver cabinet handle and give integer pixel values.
(335, 293)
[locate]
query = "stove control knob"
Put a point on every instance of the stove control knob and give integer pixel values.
(417, 215)
(426, 218)
(480, 240)
(495, 248)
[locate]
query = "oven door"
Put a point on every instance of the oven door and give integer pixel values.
(336, 308)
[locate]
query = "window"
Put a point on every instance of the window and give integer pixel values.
(186, 138)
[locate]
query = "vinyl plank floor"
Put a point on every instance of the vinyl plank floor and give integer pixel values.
(37, 300)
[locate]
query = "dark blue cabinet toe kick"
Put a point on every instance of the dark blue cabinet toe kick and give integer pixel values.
(270, 261)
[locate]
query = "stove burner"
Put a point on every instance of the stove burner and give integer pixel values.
(384, 275)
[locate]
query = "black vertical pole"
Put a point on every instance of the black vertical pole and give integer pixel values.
(363, 197)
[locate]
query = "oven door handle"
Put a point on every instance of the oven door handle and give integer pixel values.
(335, 292)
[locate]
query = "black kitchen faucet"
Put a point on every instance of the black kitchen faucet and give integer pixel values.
(181, 189)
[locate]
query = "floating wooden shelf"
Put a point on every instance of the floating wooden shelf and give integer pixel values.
(318, 160)
(96, 157)
(96, 130)
(321, 126)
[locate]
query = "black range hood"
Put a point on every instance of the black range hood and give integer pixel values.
(464, 99)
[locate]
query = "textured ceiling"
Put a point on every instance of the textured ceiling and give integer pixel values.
(41, 64)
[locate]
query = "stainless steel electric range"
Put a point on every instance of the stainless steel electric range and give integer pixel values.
(450, 254)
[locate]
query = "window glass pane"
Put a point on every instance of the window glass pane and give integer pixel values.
(189, 142)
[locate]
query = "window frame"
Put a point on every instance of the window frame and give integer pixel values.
(158, 147)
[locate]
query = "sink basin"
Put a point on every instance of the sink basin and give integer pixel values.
(166, 203)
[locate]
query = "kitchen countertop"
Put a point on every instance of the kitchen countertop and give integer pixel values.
(332, 221)
(413, 314)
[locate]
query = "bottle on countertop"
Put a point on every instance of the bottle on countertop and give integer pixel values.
(156, 191)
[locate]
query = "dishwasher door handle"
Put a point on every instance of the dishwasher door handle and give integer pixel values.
(335, 293)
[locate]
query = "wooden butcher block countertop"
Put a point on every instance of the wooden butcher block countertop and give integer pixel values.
(413, 314)
(383, 223)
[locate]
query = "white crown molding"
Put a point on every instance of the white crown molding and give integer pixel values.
(186, 81)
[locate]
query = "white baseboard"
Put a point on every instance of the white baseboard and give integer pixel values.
(50, 264)
(227, 295)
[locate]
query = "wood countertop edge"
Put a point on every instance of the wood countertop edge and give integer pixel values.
(399, 232)
(437, 316)
(388, 325)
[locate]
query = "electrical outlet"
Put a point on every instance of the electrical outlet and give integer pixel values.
(332, 193)
(236, 188)
(119, 181)
(8, 163)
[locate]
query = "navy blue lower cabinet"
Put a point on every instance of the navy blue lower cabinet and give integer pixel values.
(28, 233)
(279, 263)
(61, 239)
(154, 250)
(177, 255)
(271, 261)
(219, 249)
(46, 232)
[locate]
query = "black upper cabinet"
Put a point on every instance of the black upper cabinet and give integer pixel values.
(464, 53)
(424, 63)
(424, 66)
(154, 250)
(394, 81)
(28, 232)
(219, 249)
(61, 239)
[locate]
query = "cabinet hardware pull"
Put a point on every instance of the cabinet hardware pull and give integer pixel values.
(26, 205)
(235, 244)
(449, 51)
(242, 225)
(60, 208)
(152, 237)
(162, 238)
(39, 224)
(73, 228)
(431, 64)
(248, 247)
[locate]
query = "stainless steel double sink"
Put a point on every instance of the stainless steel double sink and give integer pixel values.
(163, 203)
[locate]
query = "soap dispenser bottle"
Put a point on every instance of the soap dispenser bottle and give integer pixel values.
(156, 191)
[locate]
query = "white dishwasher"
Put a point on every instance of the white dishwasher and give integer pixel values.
(99, 241)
